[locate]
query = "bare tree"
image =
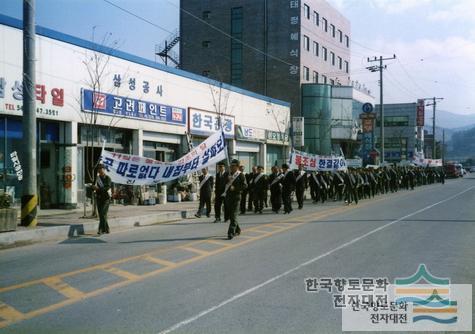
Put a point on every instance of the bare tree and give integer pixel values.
(282, 123)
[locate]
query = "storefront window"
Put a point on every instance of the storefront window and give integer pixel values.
(247, 159)
(11, 140)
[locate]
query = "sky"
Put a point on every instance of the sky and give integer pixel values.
(433, 40)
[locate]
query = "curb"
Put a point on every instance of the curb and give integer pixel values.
(51, 233)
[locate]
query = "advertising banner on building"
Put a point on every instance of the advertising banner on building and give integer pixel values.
(136, 170)
(420, 113)
(275, 137)
(205, 123)
(119, 106)
(313, 162)
(298, 129)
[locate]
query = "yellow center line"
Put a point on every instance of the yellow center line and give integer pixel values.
(11, 315)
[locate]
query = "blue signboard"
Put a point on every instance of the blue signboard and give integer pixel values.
(367, 107)
(120, 106)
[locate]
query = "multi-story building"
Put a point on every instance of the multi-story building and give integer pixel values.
(269, 47)
(142, 108)
(332, 118)
(400, 131)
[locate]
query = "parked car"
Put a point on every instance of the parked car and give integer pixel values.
(472, 169)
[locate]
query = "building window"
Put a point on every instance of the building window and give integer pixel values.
(332, 82)
(206, 73)
(325, 53)
(306, 73)
(306, 43)
(315, 77)
(332, 27)
(340, 35)
(332, 58)
(324, 79)
(306, 11)
(347, 69)
(206, 44)
(315, 49)
(347, 41)
(316, 18)
(206, 15)
(340, 63)
(236, 46)
(325, 24)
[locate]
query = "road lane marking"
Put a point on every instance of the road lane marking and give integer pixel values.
(160, 261)
(121, 273)
(9, 313)
(302, 265)
(195, 250)
(62, 287)
(129, 278)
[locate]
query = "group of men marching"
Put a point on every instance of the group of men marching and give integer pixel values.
(236, 192)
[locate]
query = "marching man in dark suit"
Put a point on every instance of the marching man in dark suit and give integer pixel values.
(301, 183)
(232, 195)
(221, 179)
(288, 186)
(206, 189)
(275, 186)
(260, 189)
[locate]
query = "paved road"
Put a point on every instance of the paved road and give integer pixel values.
(186, 278)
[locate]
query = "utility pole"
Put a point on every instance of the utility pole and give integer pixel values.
(433, 104)
(443, 147)
(29, 199)
(380, 68)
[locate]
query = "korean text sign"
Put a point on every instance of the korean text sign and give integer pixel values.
(205, 123)
(136, 170)
(119, 106)
(313, 162)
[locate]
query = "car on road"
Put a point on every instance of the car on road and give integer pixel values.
(472, 169)
(451, 171)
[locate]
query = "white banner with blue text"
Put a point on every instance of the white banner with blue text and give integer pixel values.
(135, 170)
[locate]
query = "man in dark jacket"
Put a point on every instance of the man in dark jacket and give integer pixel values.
(275, 189)
(260, 189)
(301, 183)
(288, 186)
(206, 189)
(232, 194)
(221, 179)
(102, 188)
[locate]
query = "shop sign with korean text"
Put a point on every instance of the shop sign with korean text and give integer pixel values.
(119, 106)
(249, 133)
(274, 137)
(204, 123)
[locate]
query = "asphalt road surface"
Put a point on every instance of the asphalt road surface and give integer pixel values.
(185, 277)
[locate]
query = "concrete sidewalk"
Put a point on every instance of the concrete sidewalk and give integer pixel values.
(62, 224)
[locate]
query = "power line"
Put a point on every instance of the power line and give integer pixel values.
(137, 16)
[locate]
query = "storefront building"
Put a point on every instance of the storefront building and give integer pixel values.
(136, 106)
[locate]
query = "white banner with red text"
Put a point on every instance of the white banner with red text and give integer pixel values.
(314, 162)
